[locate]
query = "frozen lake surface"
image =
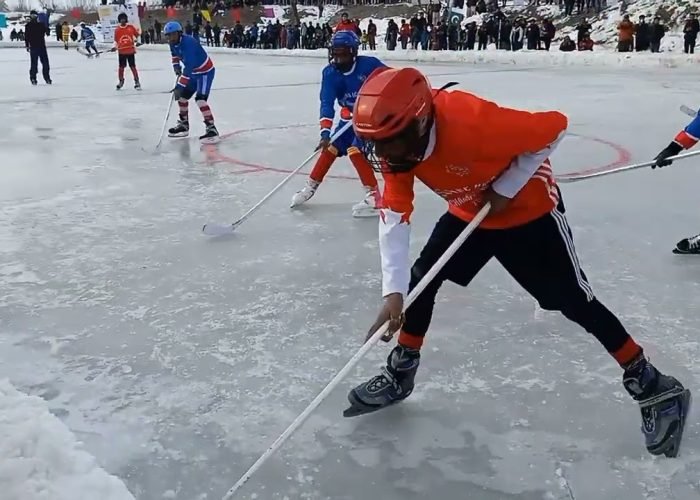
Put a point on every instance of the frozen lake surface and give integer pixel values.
(177, 359)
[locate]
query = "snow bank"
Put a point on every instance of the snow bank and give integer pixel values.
(528, 58)
(40, 459)
(534, 58)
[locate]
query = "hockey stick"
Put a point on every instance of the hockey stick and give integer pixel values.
(220, 230)
(566, 178)
(422, 284)
(165, 122)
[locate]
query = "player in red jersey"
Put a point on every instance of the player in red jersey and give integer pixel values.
(470, 152)
(125, 36)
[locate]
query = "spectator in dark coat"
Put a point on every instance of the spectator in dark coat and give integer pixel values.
(36, 46)
(658, 30)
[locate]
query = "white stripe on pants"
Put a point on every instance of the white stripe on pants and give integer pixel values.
(564, 230)
(202, 84)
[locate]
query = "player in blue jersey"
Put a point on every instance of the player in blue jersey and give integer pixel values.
(685, 139)
(88, 36)
(195, 72)
(341, 81)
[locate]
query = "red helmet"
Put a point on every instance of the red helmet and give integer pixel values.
(389, 101)
(393, 114)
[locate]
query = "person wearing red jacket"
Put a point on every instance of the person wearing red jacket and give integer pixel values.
(345, 23)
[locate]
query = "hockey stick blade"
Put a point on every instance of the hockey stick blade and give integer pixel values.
(688, 111)
(218, 229)
(340, 131)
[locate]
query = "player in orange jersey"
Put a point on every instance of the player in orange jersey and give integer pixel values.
(125, 36)
(471, 151)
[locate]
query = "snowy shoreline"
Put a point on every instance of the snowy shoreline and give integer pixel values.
(41, 458)
(492, 56)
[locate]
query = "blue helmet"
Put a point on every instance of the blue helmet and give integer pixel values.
(345, 38)
(172, 27)
(343, 43)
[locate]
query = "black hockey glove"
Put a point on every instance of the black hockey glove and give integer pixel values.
(178, 70)
(177, 92)
(662, 158)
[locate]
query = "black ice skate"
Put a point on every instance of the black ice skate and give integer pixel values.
(211, 136)
(664, 404)
(33, 80)
(120, 84)
(137, 85)
(688, 245)
(48, 81)
(182, 129)
(392, 385)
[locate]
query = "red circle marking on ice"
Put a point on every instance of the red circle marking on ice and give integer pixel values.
(215, 156)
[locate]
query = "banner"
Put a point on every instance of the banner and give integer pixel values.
(108, 18)
(3, 21)
(456, 15)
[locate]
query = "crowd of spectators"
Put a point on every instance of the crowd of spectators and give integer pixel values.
(217, 23)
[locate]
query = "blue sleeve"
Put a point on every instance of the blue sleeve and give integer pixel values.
(329, 91)
(693, 127)
(689, 136)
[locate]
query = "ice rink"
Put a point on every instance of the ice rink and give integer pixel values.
(177, 359)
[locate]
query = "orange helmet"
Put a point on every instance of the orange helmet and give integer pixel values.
(389, 101)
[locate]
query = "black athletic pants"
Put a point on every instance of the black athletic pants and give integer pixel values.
(540, 255)
(127, 58)
(35, 55)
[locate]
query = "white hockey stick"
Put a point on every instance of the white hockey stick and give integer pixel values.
(219, 229)
(165, 122)
(422, 284)
(566, 178)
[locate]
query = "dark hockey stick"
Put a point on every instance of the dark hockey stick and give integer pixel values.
(220, 230)
(422, 284)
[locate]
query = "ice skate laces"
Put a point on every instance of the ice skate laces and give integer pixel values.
(381, 381)
(694, 242)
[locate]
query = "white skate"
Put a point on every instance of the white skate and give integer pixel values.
(301, 197)
(369, 206)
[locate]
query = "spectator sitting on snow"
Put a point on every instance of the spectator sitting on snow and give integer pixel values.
(585, 44)
(567, 45)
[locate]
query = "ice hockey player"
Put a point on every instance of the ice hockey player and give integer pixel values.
(341, 80)
(685, 139)
(125, 37)
(35, 41)
(471, 151)
(87, 36)
(195, 75)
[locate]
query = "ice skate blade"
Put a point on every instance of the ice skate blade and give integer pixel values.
(179, 135)
(358, 408)
(678, 251)
(673, 445)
